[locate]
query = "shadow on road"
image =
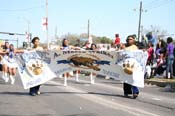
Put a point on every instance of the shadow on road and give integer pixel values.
(27, 115)
(2, 82)
(85, 114)
(14, 93)
(116, 83)
(172, 90)
(84, 93)
(51, 85)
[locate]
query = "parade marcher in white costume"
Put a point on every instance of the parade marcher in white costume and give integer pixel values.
(3, 62)
(11, 63)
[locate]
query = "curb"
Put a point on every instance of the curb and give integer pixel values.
(161, 82)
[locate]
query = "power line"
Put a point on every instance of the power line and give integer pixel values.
(159, 4)
(150, 4)
(22, 9)
(146, 3)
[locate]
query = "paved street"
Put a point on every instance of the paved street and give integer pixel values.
(104, 98)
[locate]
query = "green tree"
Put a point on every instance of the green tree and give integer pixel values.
(74, 39)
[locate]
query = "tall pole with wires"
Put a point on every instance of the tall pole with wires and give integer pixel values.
(28, 33)
(88, 29)
(47, 36)
(140, 18)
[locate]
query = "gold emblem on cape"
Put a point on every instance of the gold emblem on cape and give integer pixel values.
(128, 67)
(36, 67)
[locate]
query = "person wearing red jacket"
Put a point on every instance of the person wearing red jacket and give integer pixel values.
(117, 40)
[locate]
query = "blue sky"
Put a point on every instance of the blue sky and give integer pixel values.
(107, 17)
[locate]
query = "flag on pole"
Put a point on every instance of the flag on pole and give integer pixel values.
(45, 23)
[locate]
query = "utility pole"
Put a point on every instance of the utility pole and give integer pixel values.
(17, 42)
(47, 36)
(56, 36)
(140, 18)
(30, 38)
(28, 32)
(88, 30)
(28, 23)
(56, 33)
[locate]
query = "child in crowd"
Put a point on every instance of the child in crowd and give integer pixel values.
(161, 65)
(147, 72)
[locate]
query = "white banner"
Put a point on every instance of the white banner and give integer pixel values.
(39, 67)
(33, 69)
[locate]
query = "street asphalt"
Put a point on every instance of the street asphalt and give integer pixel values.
(104, 98)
